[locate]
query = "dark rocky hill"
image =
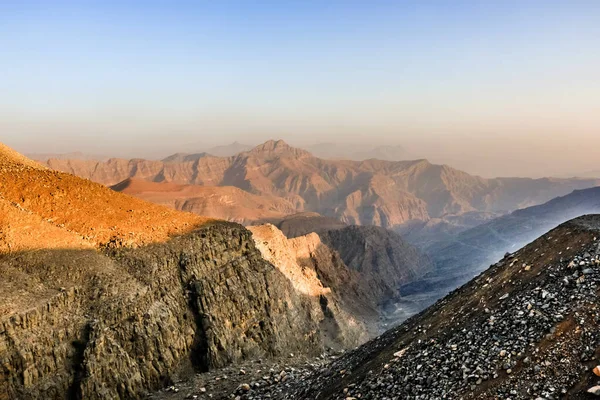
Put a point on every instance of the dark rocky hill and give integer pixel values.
(466, 254)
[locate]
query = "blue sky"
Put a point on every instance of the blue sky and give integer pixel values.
(74, 73)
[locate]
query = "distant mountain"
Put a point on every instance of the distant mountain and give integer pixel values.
(371, 192)
(229, 150)
(465, 255)
(184, 157)
(589, 174)
(222, 202)
(358, 152)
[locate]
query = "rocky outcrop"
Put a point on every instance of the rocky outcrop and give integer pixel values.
(319, 271)
(114, 325)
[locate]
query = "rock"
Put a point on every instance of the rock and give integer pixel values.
(595, 390)
(244, 387)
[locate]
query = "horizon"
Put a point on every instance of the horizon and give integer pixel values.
(504, 89)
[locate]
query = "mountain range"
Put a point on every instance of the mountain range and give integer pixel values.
(110, 296)
(389, 194)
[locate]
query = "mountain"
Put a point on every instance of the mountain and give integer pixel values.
(229, 150)
(383, 258)
(184, 157)
(371, 192)
(107, 296)
(358, 152)
(525, 328)
(466, 254)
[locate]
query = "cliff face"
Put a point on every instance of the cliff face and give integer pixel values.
(116, 324)
(317, 270)
(384, 261)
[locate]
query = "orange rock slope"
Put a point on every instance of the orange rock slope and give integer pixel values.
(42, 208)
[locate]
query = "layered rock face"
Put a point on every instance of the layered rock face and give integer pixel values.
(384, 261)
(318, 270)
(113, 325)
(381, 258)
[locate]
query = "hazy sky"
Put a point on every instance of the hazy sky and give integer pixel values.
(494, 87)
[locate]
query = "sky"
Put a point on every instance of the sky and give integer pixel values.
(493, 87)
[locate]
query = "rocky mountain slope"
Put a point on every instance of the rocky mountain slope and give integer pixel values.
(527, 328)
(106, 296)
(466, 254)
(371, 192)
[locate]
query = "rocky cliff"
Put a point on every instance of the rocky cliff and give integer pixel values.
(117, 323)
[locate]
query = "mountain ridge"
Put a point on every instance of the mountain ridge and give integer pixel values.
(371, 192)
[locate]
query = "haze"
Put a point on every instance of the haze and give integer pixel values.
(494, 88)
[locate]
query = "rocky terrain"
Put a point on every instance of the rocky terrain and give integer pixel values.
(107, 296)
(371, 192)
(466, 254)
(526, 328)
